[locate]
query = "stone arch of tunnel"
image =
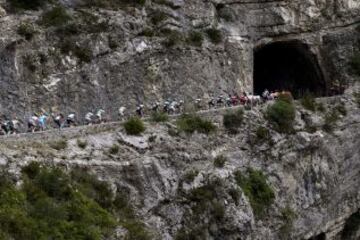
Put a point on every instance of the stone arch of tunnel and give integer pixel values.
(288, 65)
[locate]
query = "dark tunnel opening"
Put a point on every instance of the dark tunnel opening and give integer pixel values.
(321, 236)
(288, 66)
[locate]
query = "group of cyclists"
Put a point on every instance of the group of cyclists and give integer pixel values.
(42, 121)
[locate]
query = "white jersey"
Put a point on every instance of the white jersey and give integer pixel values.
(71, 116)
(122, 111)
(89, 116)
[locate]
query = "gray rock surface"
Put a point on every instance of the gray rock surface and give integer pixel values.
(315, 174)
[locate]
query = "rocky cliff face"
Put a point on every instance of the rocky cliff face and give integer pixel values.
(181, 192)
(107, 56)
(80, 58)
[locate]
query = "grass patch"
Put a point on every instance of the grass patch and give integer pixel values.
(26, 30)
(114, 149)
(83, 53)
(190, 175)
(59, 145)
(214, 35)
(159, 117)
(220, 161)
(232, 121)
(262, 133)
(333, 116)
(134, 126)
(281, 115)
(255, 187)
(308, 102)
(172, 38)
(81, 143)
(158, 17)
(195, 38)
(191, 123)
(288, 216)
(57, 16)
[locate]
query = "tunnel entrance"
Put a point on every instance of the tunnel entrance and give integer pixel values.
(288, 66)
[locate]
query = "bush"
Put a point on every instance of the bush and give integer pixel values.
(58, 145)
(192, 123)
(214, 35)
(355, 63)
(262, 133)
(232, 121)
(157, 17)
(81, 143)
(288, 216)
(82, 53)
(189, 176)
(55, 17)
(281, 115)
(225, 13)
(159, 117)
(330, 120)
(114, 149)
(172, 38)
(308, 102)
(195, 38)
(26, 30)
(255, 187)
(134, 126)
(51, 205)
(220, 161)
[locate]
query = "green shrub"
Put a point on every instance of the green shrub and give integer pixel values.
(225, 13)
(355, 63)
(81, 143)
(235, 194)
(262, 133)
(191, 123)
(214, 35)
(51, 205)
(159, 117)
(281, 115)
(134, 126)
(288, 216)
(195, 38)
(340, 108)
(308, 102)
(58, 145)
(352, 226)
(333, 116)
(114, 149)
(172, 39)
(157, 17)
(218, 210)
(255, 187)
(57, 16)
(232, 121)
(220, 161)
(189, 176)
(26, 30)
(83, 53)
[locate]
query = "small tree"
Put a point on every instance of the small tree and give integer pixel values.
(134, 126)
